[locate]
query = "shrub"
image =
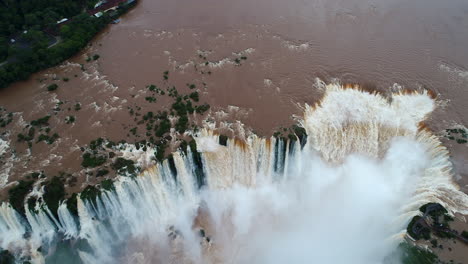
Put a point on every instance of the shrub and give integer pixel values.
(124, 166)
(107, 185)
(424, 232)
(72, 204)
(17, 194)
(465, 234)
(95, 144)
(93, 160)
(160, 152)
(54, 193)
(48, 139)
(90, 193)
(412, 255)
(194, 96)
(43, 121)
(150, 99)
(163, 128)
(202, 108)
(52, 87)
(77, 106)
(102, 172)
(28, 137)
(70, 119)
(182, 124)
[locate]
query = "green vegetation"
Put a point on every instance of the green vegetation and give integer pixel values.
(48, 139)
(90, 193)
(42, 125)
(464, 234)
(437, 209)
(194, 96)
(66, 79)
(293, 134)
(33, 26)
(5, 119)
(125, 167)
(438, 214)
(29, 137)
(414, 255)
(438, 224)
(182, 124)
(96, 144)
(107, 185)
(72, 204)
(200, 109)
(150, 99)
(52, 87)
(424, 232)
(43, 121)
(17, 194)
(460, 135)
(77, 107)
(54, 193)
(300, 132)
(32, 204)
(92, 161)
(444, 234)
(102, 172)
(96, 56)
(163, 128)
(70, 119)
(98, 153)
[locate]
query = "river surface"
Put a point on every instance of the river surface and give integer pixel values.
(253, 61)
(284, 50)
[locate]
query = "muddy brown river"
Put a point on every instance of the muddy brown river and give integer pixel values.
(255, 61)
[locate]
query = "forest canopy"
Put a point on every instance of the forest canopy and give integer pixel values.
(31, 39)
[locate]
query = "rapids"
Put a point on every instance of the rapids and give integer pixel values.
(342, 194)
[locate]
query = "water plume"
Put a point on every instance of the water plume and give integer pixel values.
(343, 195)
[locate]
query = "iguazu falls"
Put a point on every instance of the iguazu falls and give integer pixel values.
(233, 132)
(342, 192)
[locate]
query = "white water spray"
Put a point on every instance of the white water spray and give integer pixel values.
(341, 198)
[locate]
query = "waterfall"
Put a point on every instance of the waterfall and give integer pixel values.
(225, 203)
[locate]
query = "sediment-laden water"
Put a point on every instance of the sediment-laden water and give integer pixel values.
(341, 194)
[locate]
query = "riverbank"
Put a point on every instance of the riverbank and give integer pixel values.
(36, 50)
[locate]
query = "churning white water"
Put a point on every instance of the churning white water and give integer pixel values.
(344, 195)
